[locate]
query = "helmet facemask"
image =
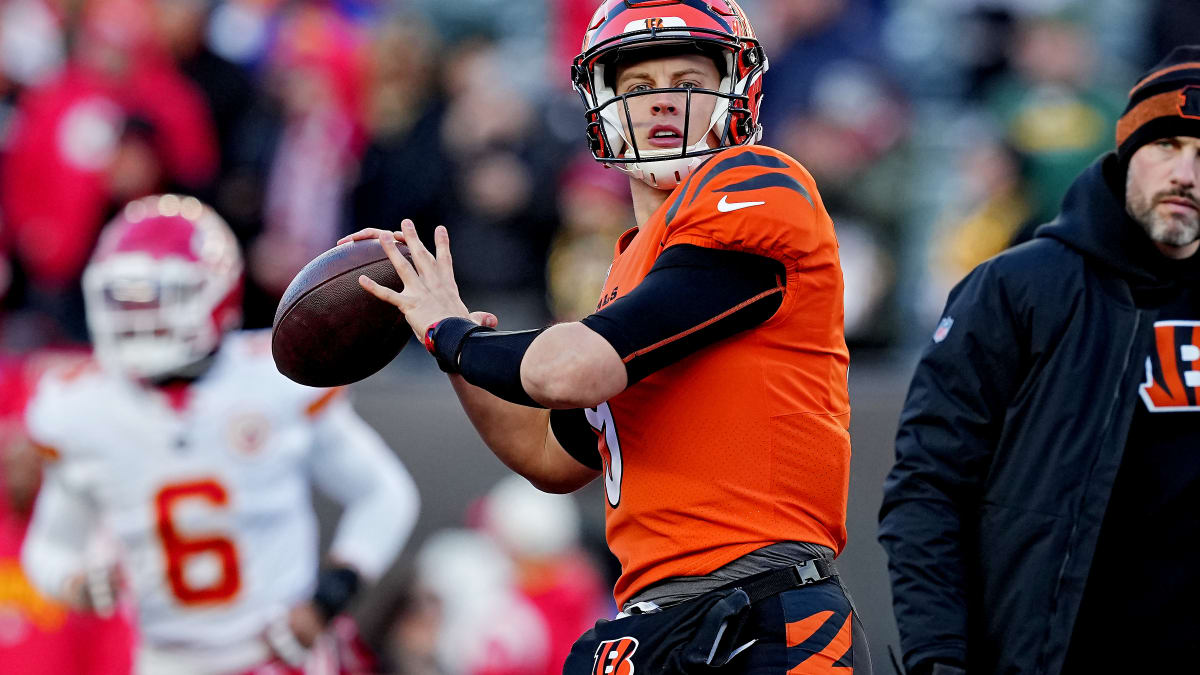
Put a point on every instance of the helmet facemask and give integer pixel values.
(741, 63)
(153, 317)
(660, 167)
(163, 288)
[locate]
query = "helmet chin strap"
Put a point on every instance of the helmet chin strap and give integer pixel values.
(665, 174)
(671, 170)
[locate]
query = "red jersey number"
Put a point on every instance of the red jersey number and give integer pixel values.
(181, 548)
(602, 423)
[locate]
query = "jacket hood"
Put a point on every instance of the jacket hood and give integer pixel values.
(1094, 222)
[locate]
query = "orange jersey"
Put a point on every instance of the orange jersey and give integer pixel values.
(744, 443)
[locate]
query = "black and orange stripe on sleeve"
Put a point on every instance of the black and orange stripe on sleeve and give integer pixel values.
(722, 166)
(691, 298)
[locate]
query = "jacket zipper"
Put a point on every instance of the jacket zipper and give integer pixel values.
(1062, 570)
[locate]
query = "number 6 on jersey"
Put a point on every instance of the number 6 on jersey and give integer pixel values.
(180, 549)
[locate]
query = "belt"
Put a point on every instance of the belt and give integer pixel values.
(773, 582)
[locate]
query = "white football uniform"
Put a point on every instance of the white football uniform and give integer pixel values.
(210, 500)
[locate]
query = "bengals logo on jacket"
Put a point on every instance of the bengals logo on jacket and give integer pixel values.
(615, 657)
(1173, 370)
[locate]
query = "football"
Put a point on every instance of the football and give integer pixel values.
(328, 330)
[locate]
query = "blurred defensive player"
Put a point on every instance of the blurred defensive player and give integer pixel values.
(184, 440)
(708, 388)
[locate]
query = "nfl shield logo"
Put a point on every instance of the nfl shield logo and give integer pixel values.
(943, 329)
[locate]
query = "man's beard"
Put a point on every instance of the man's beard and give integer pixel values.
(1169, 229)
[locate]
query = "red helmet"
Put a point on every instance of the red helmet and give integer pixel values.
(715, 27)
(163, 287)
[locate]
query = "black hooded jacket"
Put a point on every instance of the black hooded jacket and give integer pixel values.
(1013, 431)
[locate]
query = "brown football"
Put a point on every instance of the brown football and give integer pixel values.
(328, 330)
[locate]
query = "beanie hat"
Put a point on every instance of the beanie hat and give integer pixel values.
(1164, 103)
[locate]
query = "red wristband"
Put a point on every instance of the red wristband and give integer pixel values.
(429, 337)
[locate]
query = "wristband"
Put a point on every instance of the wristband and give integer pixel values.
(444, 339)
(336, 587)
(283, 642)
(428, 341)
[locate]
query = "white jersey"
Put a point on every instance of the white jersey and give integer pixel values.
(210, 498)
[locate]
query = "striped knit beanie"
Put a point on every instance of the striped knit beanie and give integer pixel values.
(1164, 103)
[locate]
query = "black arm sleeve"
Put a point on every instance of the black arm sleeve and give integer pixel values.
(691, 298)
(491, 360)
(576, 435)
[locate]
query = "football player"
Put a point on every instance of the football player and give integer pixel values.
(709, 387)
(183, 439)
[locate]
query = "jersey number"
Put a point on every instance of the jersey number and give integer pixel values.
(182, 548)
(601, 420)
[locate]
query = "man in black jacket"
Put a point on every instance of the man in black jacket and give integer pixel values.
(1043, 514)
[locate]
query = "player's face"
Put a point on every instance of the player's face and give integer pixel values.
(1161, 193)
(658, 118)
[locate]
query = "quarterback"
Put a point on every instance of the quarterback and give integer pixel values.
(182, 439)
(708, 388)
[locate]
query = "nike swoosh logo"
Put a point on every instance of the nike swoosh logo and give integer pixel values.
(725, 206)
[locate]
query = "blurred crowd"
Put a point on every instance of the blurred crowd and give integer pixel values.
(506, 595)
(939, 131)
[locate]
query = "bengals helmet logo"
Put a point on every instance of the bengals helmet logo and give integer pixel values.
(1189, 103)
(1173, 371)
(615, 657)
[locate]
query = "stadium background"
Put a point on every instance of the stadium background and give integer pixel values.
(939, 132)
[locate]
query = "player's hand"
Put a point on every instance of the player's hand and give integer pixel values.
(430, 291)
(369, 233)
(306, 624)
(291, 636)
(94, 591)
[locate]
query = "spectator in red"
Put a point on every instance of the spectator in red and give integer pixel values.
(571, 18)
(540, 533)
(39, 636)
(57, 180)
(316, 75)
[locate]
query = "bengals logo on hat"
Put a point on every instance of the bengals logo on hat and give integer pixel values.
(1189, 103)
(615, 657)
(1173, 370)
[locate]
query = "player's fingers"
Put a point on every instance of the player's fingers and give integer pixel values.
(382, 292)
(441, 245)
(441, 242)
(422, 259)
(485, 319)
(365, 233)
(403, 268)
(445, 262)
